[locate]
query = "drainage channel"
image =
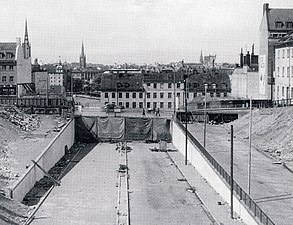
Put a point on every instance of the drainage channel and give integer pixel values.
(123, 207)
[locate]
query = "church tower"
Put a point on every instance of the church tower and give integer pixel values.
(26, 44)
(82, 58)
(201, 58)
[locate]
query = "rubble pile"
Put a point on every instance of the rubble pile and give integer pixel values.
(271, 131)
(23, 121)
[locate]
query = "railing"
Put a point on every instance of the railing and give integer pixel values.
(245, 198)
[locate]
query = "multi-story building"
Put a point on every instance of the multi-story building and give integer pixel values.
(284, 68)
(275, 24)
(15, 67)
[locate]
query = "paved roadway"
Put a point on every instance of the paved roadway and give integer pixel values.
(88, 193)
(271, 184)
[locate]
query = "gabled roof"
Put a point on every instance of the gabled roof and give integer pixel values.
(280, 15)
(8, 46)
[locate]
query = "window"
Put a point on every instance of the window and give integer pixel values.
(4, 79)
(283, 53)
(225, 94)
(148, 95)
(169, 105)
(178, 95)
(278, 90)
(155, 85)
(161, 85)
(106, 95)
(133, 105)
(212, 94)
(283, 71)
(10, 67)
(283, 91)
(3, 67)
(113, 94)
(140, 95)
(119, 95)
(291, 92)
(154, 95)
(178, 85)
(133, 95)
(148, 84)
(279, 24)
(140, 105)
(9, 55)
(161, 95)
(169, 85)
(224, 85)
(154, 105)
(289, 24)
(120, 103)
(278, 71)
(11, 78)
(218, 95)
(169, 95)
(126, 104)
(148, 105)
(1, 55)
(194, 94)
(127, 95)
(288, 71)
(161, 105)
(278, 52)
(288, 53)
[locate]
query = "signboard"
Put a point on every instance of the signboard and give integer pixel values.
(262, 74)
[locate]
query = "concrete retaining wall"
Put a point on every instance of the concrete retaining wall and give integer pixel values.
(47, 159)
(206, 171)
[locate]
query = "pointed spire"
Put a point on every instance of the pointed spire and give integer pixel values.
(252, 52)
(82, 49)
(26, 32)
(82, 58)
(201, 57)
(26, 44)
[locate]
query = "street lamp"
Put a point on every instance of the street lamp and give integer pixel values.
(205, 112)
(186, 139)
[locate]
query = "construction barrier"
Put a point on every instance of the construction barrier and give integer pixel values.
(47, 159)
(95, 129)
(218, 178)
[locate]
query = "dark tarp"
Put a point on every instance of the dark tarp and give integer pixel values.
(83, 129)
(138, 128)
(161, 130)
(110, 128)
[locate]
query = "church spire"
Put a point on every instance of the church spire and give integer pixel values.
(82, 58)
(26, 44)
(201, 57)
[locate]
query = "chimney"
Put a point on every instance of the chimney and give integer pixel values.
(248, 58)
(241, 58)
(265, 7)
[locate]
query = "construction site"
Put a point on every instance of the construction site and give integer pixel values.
(94, 168)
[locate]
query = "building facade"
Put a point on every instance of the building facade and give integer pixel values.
(284, 68)
(275, 24)
(15, 67)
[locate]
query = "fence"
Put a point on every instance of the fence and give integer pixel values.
(255, 210)
(47, 159)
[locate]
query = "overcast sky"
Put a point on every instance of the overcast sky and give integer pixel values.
(138, 31)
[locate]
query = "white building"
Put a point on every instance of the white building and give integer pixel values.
(284, 68)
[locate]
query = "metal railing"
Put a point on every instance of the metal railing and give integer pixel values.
(241, 194)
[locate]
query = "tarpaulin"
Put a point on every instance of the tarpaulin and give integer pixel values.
(138, 128)
(83, 132)
(161, 130)
(110, 128)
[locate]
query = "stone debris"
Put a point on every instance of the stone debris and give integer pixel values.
(23, 121)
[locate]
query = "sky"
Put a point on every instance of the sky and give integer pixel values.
(135, 31)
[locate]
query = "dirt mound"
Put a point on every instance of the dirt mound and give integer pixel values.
(271, 129)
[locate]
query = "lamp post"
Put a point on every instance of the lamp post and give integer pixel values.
(186, 139)
(205, 112)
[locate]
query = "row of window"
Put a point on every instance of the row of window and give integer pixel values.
(4, 67)
(161, 95)
(282, 94)
(194, 85)
(285, 53)
(148, 105)
(283, 71)
(280, 24)
(4, 79)
(8, 55)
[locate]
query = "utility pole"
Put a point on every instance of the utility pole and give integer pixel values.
(231, 171)
(205, 115)
(249, 153)
(186, 139)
